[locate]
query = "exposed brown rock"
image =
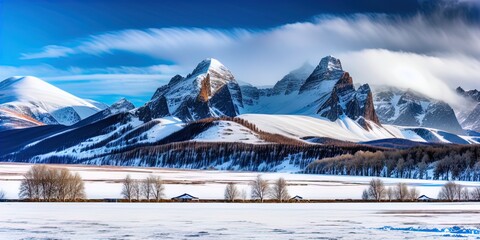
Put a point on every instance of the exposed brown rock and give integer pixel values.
(369, 109)
(205, 90)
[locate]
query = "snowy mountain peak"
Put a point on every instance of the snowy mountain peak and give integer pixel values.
(327, 72)
(121, 105)
(210, 90)
(330, 64)
(209, 65)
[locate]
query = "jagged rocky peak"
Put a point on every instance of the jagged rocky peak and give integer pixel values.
(329, 68)
(218, 74)
(330, 64)
(338, 96)
(210, 90)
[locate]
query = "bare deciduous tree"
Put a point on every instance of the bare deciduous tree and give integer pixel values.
(376, 190)
(46, 183)
(63, 176)
(475, 194)
(146, 186)
(451, 191)
(465, 195)
(137, 190)
(413, 193)
(401, 192)
(279, 190)
(158, 188)
(231, 192)
(127, 188)
(390, 194)
(260, 188)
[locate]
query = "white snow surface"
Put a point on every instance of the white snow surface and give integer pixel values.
(162, 129)
(232, 220)
(303, 126)
(239, 221)
(344, 129)
(226, 131)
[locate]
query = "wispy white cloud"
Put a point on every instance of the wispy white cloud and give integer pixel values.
(436, 77)
(50, 51)
(431, 55)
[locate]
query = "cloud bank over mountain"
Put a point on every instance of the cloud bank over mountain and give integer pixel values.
(432, 51)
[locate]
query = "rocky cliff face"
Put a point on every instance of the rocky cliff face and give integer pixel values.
(344, 99)
(410, 108)
(210, 90)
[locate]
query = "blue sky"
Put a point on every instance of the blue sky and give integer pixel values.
(105, 50)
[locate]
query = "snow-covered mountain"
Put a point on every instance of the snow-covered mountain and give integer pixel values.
(247, 142)
(470, 116)
(409, 108)
(210, 90)
(327, 92)
(30, 101)
(206, 119)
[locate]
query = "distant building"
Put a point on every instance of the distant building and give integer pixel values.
(424, 198)
(185, 198)
(296, 198)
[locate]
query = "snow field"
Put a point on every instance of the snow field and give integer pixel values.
(105, 182)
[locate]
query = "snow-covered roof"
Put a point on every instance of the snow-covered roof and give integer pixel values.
(185, 196)
(423, 197)
(297, 197)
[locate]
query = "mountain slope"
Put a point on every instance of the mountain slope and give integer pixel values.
(39, 100)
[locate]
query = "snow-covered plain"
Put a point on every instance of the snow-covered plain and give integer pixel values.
(239, 221)
(105, 182)
(231, 220)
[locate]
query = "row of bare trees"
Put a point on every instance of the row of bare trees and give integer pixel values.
(51, 184)
(151, 188)
(451, 191)
(401, 192)
(260, 190)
